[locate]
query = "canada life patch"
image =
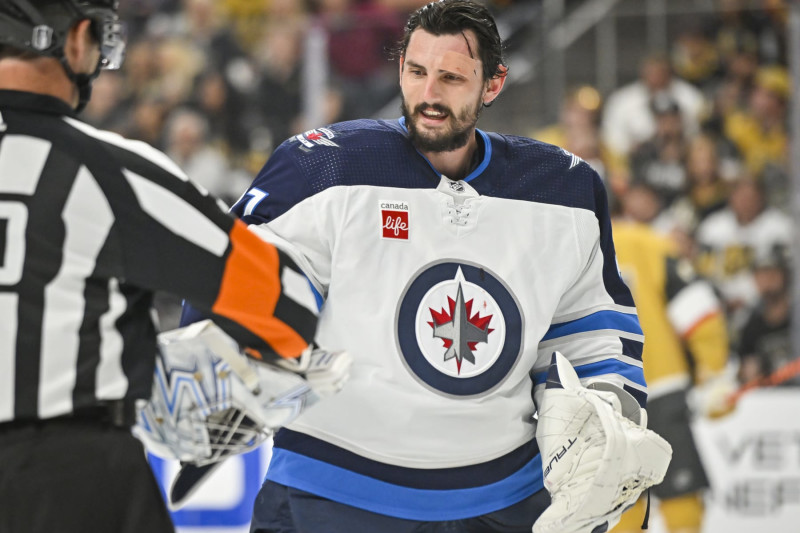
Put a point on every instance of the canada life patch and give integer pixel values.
(394, 220)
(459, 328)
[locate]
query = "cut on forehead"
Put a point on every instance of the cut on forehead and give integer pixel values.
(459, 63)
(453, 62)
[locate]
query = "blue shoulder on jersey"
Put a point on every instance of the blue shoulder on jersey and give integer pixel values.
(377, 153)
(525, 169)
(360, 152)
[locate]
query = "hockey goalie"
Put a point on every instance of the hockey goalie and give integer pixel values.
(598, 456)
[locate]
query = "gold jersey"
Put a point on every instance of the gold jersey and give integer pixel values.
(680, 314)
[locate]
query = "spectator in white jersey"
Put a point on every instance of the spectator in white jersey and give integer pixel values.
(731, 240)
(628, 119)
(91, 225)
(452, 263)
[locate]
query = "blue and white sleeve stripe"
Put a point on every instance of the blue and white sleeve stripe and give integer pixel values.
(606, 321)
(603, 344)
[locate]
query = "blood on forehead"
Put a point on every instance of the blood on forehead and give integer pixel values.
(449, 61)
(459, 63)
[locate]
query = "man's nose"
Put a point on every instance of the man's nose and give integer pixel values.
(431, 93)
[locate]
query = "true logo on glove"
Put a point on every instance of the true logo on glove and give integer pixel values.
(558, 455)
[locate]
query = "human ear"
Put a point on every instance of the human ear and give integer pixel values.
(79, 45)
(494, 86)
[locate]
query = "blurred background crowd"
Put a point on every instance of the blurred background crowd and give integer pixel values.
(681, 106)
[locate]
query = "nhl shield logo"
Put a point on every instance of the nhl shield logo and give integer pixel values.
(457, 186)
(459, 329)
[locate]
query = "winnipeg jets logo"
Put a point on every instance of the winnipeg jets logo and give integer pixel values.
(320, 136)
(453, 327)
(459, 329)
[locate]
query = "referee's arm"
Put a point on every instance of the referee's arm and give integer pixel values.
(176, 238)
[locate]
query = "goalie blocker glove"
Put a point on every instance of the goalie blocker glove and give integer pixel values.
(597, 455)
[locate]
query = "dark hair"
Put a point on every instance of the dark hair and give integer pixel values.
(452, 17)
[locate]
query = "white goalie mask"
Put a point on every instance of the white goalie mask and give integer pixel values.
(209, 401)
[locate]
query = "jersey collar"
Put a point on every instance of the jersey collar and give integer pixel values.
(38, 103)
(483, 139)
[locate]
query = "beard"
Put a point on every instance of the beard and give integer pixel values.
(457, 135)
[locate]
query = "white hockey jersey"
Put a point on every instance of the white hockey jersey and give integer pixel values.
(729, 250)
(450, 296)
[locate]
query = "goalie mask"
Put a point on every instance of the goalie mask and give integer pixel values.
(209, 401)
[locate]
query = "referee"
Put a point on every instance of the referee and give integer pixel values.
(91, 224)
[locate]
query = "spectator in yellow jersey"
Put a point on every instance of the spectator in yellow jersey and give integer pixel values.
(685, 344)
(760, 131)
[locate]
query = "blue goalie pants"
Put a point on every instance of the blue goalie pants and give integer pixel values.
(280, 509)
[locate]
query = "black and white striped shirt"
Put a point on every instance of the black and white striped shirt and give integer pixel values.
(91, 224)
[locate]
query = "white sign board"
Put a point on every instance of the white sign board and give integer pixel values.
(752, 458)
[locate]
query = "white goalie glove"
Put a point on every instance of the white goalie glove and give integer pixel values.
(596, 460)
(209, 401)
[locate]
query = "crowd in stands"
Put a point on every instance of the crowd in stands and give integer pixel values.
(217, 84)
(700, 139)
(698, 147)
